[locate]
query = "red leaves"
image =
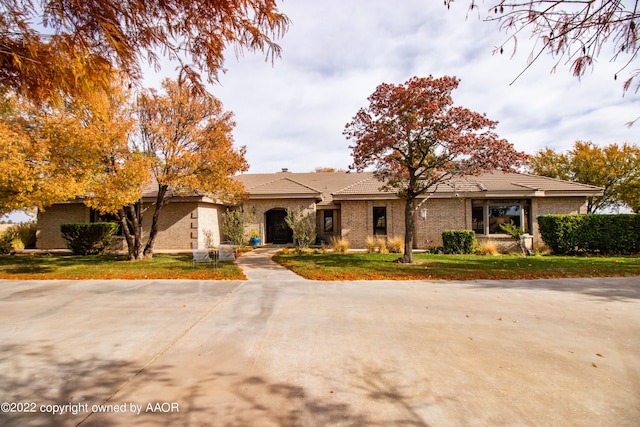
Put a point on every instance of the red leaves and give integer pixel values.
(413, 132)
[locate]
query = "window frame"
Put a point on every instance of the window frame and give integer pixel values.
(484, 224)
(328, 214)
(378, 213)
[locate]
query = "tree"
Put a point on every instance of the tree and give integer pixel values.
(53, 46)
(234, 224)
(59, 151)
(575, 30)
(303, 225)
(415, 139)
(614, 168)
(187, 135)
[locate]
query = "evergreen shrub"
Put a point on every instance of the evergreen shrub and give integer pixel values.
(591, 234)
(89, 238)
(459, 241)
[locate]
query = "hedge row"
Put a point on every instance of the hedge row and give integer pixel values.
(89, 238)
(596, 234)
(459, 241)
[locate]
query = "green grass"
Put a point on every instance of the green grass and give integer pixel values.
(361, 266)
(161, 266)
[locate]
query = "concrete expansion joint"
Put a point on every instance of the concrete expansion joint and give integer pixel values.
(164, 350)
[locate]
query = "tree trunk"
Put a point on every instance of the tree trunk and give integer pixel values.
(408, 233)
(160, 202)
(131, 222)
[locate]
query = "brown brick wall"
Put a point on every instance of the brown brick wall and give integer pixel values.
(357, 220)
(441, 214)
(181, 224)
(260, 207)
(48, 229)
(177, 226)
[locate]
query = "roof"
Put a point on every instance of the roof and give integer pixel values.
(319, 185)
(328, 187)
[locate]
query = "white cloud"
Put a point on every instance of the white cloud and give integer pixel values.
(292, 114)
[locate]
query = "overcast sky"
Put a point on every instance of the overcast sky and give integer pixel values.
(291, 114)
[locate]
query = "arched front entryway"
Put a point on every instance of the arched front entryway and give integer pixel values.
(277, 229)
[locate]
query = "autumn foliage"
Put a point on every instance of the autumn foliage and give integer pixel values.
(54, 47)
(186, 136)
(415, 138)
(66, 150)
(615, 168)
(576, 32)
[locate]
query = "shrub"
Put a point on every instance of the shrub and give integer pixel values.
(6, 243)
(459, 241)
(516, 232)
(24, 235)
(396, 245)
(303, 225)
(370, 243)
(602, 234)
(560, 232)
(436, 250)
(339, 245)
(381, 243)
(89, 238)
(234, 223)
(489, 248)
(18, 237)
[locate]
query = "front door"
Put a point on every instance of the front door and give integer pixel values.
(277, 229)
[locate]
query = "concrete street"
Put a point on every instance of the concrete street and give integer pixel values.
(278, 350)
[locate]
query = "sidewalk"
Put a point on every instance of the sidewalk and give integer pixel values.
(258, 265)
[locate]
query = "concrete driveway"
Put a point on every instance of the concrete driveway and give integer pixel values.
(277, 350)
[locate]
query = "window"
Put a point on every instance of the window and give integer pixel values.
(477, 216)
(380, 221)
(488, 215)
(328, 221)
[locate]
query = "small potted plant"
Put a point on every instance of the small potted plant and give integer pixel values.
(255, 238)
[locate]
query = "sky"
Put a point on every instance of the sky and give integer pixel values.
(291, 113)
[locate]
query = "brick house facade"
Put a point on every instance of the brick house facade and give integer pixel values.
(351, 206)
(359, 209)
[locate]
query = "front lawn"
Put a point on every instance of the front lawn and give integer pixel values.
(100, 267)
(363, 266)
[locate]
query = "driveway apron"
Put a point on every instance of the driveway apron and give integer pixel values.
(278, 350)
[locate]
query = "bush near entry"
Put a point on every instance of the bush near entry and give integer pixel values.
(593, 234)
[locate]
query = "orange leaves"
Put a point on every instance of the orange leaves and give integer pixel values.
(82, 42)
(66, 149)
(613, 167)
(189, 135)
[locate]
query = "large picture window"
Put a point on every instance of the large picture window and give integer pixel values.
(380, 221)
(488, 215)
